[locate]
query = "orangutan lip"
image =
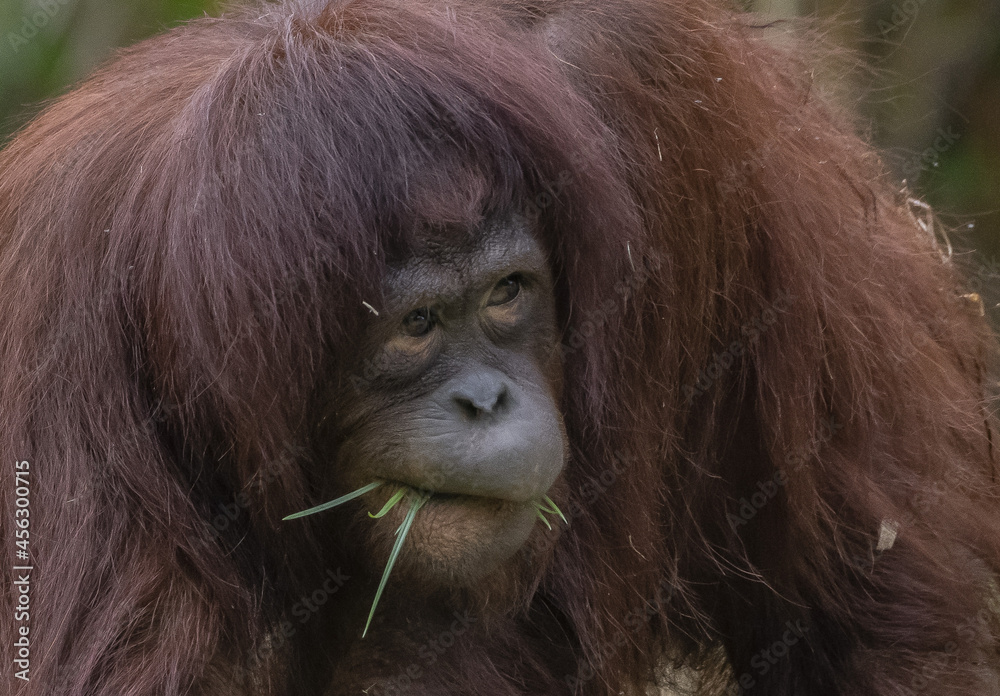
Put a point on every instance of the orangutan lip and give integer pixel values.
(462, 499)
(452, 498)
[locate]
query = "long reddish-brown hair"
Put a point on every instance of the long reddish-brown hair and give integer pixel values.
(773, 385)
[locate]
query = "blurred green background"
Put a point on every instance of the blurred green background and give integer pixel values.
(929, 95)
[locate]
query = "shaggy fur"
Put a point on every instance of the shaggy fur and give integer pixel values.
(768, 368)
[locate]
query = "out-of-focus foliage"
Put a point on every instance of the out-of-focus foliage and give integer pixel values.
(936, 103)
(46, 45)
(929, 94)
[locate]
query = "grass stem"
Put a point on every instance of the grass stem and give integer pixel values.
(416, 502)
(334, 503)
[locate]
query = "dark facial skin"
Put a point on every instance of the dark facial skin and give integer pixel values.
(462, 401)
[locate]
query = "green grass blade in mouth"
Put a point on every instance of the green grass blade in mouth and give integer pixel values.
(415, 504)
(389, 504)
(541, 515)
(417, 500)
(547, 505)
(334, 503)
(553, 508)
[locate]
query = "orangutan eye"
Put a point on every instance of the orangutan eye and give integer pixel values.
(419, 322)
(505, 291)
